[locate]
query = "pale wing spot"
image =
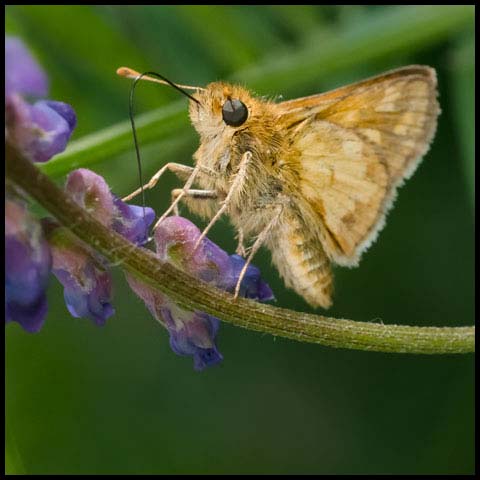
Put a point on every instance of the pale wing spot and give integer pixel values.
(401, 129)
(387, 107)
(413, 118)
(323, 174)
(392, 94)
(352, 148)
(419, 104)
(410, 143)
(405, 96)
(351, 116)
(372, 134)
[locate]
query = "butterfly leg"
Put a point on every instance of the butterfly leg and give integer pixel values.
(240, 246)
(182, 171)
(194, 195)
(237, 182)
(278, 209)
(184, 189)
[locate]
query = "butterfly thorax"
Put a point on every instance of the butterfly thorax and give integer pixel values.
(222, 149)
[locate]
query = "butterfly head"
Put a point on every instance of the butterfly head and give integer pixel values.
(221, 109)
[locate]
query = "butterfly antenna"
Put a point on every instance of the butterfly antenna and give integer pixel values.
(135, 141)
(130, 73)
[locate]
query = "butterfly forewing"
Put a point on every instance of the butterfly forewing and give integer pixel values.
(354, 147)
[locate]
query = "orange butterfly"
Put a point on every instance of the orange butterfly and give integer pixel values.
(310, 178)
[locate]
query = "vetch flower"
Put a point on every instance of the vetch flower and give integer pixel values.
(175, 239)
(92, 193)
(191, 333)
(23, 75)
(86, 279)
(132, 221)
(195, 336)
(31, 253)
(252, 285)
(39, 130)
(27, 267)
(87, 283)
(194, 333)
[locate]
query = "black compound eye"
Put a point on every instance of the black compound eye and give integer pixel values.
(234, 112)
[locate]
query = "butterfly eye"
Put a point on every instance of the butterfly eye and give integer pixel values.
(234, 112)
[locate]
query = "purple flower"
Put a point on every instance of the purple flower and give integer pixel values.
(252, 285)
(194, 333)
(27, 267)
(87, 284)
(132, 221)
(39, 130)
(23, 75)
(195, 337)
(191, 333)
(92, 193)
(175, 239)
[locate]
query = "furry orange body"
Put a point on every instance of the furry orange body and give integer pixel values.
(330, 162)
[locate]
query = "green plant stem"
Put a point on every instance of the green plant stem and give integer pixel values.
(192, 294)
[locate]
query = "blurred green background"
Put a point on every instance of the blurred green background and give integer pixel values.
(117, 400)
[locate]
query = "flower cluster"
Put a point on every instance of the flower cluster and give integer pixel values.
(83, 273)
(33, 249)
(193, 333)
(39, 130)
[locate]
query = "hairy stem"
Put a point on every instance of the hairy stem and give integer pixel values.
(193, 294)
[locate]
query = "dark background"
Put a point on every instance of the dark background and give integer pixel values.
(83, 399)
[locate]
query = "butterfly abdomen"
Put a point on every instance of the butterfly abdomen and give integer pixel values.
(301, 260)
